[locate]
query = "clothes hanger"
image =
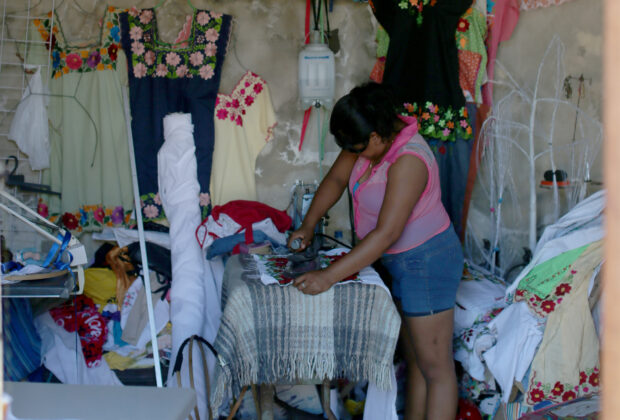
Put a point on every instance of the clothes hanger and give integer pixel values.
(17, 180)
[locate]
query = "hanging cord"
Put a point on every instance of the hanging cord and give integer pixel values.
(351, 216)
(331, 238)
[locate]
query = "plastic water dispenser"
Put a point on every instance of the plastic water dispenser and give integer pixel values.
(316, 73)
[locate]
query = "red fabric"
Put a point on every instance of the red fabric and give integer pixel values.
(89, 323)
(247, 212)
(304, 125)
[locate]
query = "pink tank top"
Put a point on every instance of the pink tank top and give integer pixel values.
(428, 217)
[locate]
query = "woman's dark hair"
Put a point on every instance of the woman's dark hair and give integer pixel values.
(367, 108)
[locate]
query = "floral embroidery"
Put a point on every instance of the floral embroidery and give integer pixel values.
(276, 266)
(234, 107)
(560, 392)
(153, 209)
(544, 305)
(89, 217)
(462, 25)
(440, 123)
(415, 7)
(66, 59)
(151, 60)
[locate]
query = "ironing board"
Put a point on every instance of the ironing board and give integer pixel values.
(272, 334)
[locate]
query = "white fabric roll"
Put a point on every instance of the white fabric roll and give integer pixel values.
(194, 297)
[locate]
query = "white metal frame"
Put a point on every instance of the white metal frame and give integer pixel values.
(75, 247)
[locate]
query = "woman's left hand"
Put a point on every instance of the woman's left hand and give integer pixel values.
(313, 282)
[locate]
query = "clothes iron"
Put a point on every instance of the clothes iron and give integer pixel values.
(304, 261)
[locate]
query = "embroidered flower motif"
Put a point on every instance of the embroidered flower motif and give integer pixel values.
(537, 395)
(562, 289)
(442, 149)
(548, 306)
(249, 100)
(146, 16)
(137, 48)
(133, 11)
(568, 395)
(139, 70)
(157, 199)
(583, 377)
(74, 61)
(593, 379)
(196, 58)
(210, 49)
(99, 215)
(112, 51)
(258, 88)
(149, 58)
(115, 33)
(212, 35)
(117, 215)
(463, 25)
(135, 33)
(55, 59)
(93, 59)
(161, 70)
(204, 199)
(42, 209)
(203, 18)
(173, 59)
(222, 114)
(558, 389)
(70, 221)
(151, 211)
(181, 70)
(206, 72)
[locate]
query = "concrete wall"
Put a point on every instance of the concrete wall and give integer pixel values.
(576, 26)
(267, 37)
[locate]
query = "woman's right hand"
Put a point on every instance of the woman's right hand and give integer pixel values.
(304, 236)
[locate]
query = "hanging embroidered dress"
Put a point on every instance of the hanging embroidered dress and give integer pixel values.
(422, 66)
(163, 79)
(89, 157)
(244, 121)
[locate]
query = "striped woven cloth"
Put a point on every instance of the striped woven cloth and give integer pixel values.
(272, 334)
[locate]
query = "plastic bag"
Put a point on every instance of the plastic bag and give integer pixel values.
(29, 128)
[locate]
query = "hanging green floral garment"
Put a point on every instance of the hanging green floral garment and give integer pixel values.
(89, 159)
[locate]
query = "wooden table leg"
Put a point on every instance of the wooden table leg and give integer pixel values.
(256, 401)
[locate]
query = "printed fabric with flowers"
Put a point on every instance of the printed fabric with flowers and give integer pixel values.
(151, 58)
(67, 59)
(88, 218)
(276, 267)
(441, 123)
(561, 392)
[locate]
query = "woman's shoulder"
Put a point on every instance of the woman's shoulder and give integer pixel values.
(416, 145)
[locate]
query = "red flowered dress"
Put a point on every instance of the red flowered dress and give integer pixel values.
(89, 159)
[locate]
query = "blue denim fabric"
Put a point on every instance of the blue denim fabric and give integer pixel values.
(226, 244)
(425, 278)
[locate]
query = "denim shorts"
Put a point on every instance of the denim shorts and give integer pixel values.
(425, 278)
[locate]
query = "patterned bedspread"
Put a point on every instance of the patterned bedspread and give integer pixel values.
(272, 334)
